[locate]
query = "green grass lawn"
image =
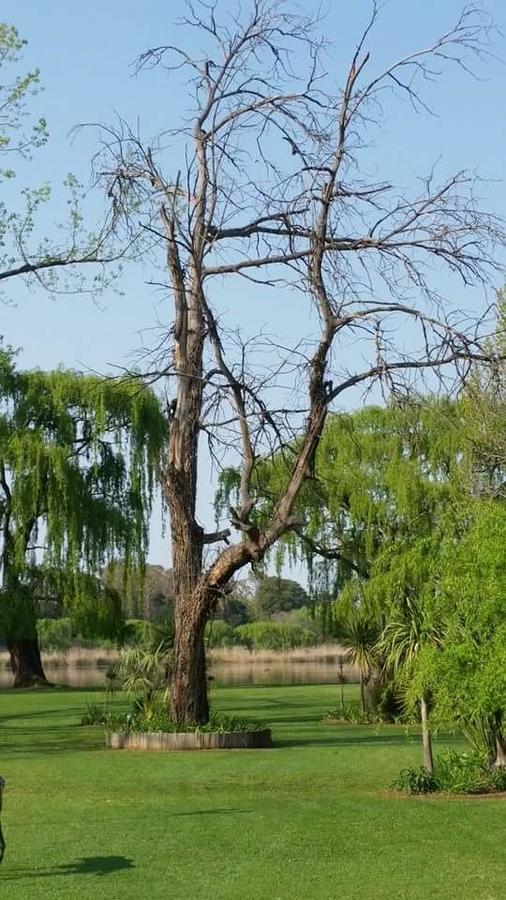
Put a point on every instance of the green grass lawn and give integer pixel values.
(310, 818)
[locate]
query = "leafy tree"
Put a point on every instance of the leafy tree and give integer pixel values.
(22, 254)
(77, 455)
(277, 595)
(467, 676)
(383, 477)
(148, 593)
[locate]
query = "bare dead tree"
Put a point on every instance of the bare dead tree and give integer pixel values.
(270, 191)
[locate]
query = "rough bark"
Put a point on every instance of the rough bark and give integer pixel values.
(362, 691)
(373, 690)
(20, 630)
(189, 699)
(26, 662)
(428, 760)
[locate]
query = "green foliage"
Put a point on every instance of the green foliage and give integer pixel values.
(55, 634)
(467, 676)
(15, 90)
(351, 714)
(455, 773)
(415, 781)
(274, 636)
(77, 459)
(149, 635)
(277, 595)
(143, 674)
(146, 593)
(235, 609)
(96, 714)
(159, 719)
(220, 634)
(61, 264)
(358, 633)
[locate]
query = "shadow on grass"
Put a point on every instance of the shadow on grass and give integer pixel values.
(87, 865)
(213, 812)
(341, 740)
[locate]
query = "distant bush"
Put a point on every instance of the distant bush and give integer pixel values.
(220, 634)
(150, 635)
(135, 631)
(55, 634)
(455, 773)
(274, 636)
(351, 713)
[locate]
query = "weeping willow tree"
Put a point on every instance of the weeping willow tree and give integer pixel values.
(381, 475)
(77, 462)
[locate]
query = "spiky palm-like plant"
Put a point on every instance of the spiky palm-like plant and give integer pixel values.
(359, 636)
(411, 628)
(143, 673)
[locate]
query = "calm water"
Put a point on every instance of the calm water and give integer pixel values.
(310, 672)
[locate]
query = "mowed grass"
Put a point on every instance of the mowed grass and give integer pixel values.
(311, 818)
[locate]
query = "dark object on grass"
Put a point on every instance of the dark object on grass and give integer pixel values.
(2, 841)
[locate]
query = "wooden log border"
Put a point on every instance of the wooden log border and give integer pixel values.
(189, 740)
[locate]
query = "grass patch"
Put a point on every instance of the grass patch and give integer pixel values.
(308, 819)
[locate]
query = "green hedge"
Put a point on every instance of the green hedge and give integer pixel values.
(220, 634)
(274, 636)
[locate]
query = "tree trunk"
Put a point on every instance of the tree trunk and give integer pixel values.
(428, 760)
(500, 752)
(362, 691)
(26, 662)
(373, 690)
(20, 631)
(189, 699)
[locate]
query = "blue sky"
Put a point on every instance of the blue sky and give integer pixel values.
(85, 53)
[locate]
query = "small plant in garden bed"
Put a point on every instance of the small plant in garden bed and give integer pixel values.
(352, 714)
(455, 773)
(159, 720)
(415, 781)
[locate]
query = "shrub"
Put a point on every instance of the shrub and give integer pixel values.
(220, 634)
(136, 632)
(54, 634)
(148, 635)
(455, 773)
(467, 773)
(96, 715)
(160, 720)
(274, 636)
(390, 706)
(415, 781)
(142, 673)
(351, 714)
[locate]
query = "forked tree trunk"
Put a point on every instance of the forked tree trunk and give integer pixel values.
(428, 760)
(26, 662)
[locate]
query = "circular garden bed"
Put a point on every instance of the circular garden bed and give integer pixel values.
(189, 740)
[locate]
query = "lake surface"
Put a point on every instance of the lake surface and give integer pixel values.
(250, 672)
